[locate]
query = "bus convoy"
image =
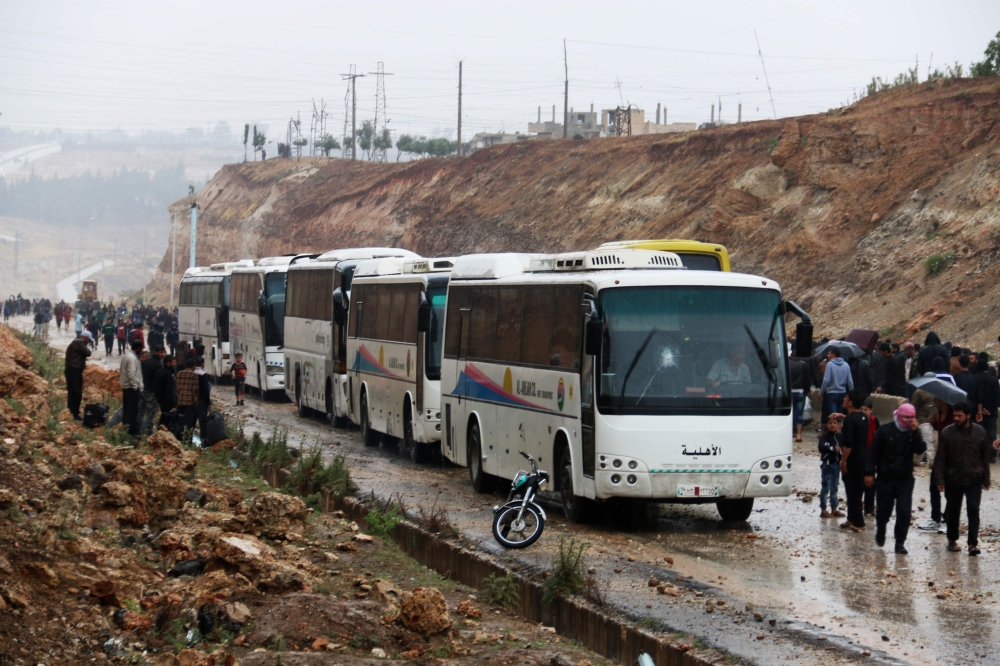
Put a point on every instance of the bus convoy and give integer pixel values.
(644, 370)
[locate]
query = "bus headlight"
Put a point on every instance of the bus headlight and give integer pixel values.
(273, 370)
(632, 464)
(777, 463)
(617, 462)
(777, 480)
(615, 478)
(631, 479)
(764, 465)
(763, 480)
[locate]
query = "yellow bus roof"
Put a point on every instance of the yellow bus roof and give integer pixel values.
(679, 246)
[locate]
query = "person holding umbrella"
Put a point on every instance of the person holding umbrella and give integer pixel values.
(889, 469)
(962, 471)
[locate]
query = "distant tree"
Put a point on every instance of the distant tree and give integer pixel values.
(298, 143)
(383, 141)
(259, 139)
(246, 136)
(403, 145)
(441, 147)
(327, 143)
(365, 137)
(990, 66)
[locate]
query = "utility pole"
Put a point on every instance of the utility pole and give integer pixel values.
(194, 230)
(459, 108)
(565, 93)
(352, 78)
(173, 261)
(378, 144)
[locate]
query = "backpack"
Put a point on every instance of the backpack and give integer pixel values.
(215, 429)
(95, 415)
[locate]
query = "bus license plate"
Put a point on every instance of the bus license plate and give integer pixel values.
(698, 491)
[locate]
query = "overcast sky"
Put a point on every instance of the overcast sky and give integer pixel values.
(172, 64)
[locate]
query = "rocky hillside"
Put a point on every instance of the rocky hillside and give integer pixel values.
(845, 209)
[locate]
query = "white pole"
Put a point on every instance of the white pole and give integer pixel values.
(194, 230)
(173, 261)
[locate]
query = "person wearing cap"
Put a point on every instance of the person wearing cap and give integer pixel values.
(889, 469)
(76, 361)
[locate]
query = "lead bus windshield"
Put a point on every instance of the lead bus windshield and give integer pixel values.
(692, 350)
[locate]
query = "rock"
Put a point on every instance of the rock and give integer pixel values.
(387, 594)
(15, 597)
(196, 496)
(468, 610)
(347, 547)
(378, 653)
(97, 476)
(363, 538)
(163, 444)
(653, 582)
(425, 612)
(73, 482)
(106, 591)
(117, 494)
(237, 612)
(274, 515)
(669, 561)
(760, 637)
(43, 573)
(5, 566)
(758, 616)
(102, 381)
(7, 498)
(320, 644)
(188, 568)
(330, 557)
(129, 621)
(195, 658)
(709, 606)
(243, 553)
(224, 445)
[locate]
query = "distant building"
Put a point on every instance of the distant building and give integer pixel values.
(640, 125)
(487, 139)
(582, 124)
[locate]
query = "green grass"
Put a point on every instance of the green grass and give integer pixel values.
(567, 571)
(15, 405)
(502, 591)
(938, 262)
(383, 520)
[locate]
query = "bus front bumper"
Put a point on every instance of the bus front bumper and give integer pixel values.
(689, 485)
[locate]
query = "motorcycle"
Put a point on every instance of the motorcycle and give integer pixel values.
(519, 522)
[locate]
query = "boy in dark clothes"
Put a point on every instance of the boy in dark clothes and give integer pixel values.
(829, 451)
(873, 425)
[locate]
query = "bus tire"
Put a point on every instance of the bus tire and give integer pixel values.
(481, 481)
(735, 510)
(575, 507)
(369, 436)
(416, 450)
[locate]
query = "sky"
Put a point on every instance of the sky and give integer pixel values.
(174, 64)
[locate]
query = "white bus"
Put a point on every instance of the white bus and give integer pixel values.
(203, 311)
(257, 320)
(394, 346)
(315, 343)
(622, 372)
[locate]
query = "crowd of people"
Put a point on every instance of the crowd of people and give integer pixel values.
(956, 438)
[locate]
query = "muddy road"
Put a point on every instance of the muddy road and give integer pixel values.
(831, 596)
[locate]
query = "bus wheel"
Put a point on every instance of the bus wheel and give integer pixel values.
(370, 437)
(479, 478)
(417, 451)
(575, 508)
(735, 510)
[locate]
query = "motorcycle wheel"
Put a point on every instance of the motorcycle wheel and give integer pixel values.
(510, 534)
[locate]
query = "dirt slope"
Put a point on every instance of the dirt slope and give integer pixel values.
(842, 208)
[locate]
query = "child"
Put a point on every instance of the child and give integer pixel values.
(869, 410)
(829, 451)
(239, 371)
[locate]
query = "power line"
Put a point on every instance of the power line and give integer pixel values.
(761, 54)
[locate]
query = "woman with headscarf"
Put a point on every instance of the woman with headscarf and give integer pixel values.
(890, 469)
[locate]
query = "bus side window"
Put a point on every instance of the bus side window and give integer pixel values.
(566, 328)
(463, 331)
(537, 326)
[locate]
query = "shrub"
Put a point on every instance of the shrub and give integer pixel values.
(384, 515)
(502, 591)
(938, 262)
(436, 520)
(567, 571)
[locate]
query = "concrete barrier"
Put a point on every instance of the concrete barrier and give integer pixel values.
(883, 406)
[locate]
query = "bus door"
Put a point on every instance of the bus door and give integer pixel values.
(588, 442)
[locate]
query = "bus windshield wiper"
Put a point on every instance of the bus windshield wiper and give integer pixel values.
(766, 364)
(635, 360)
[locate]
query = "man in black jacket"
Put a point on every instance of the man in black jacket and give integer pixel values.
(166, 390)
(932, 349)
(962, 471)
(965, 380)
(895, 375)
(890, 459)
(147, 400)
(854, 443)
(987, 402)
(76, 361)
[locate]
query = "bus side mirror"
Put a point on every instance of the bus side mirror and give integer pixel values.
(804, 339)
(424, 314)
(339, 307)
(595, 335)
(262, 305)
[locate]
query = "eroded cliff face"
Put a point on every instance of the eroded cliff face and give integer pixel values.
(841, 208)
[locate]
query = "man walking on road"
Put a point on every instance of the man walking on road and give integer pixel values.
(962, 471)
(988, 402)
(130, 373)
(108, 331)
(852, 463)
(173, 336)
(76, 361)
(837, 382)
(890, 469)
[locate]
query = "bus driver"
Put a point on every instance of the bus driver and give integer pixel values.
(731, 370)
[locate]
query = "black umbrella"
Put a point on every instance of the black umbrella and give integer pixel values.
(847, 349)
(940, 389)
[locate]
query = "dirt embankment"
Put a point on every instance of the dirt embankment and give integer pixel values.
(842, 208)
